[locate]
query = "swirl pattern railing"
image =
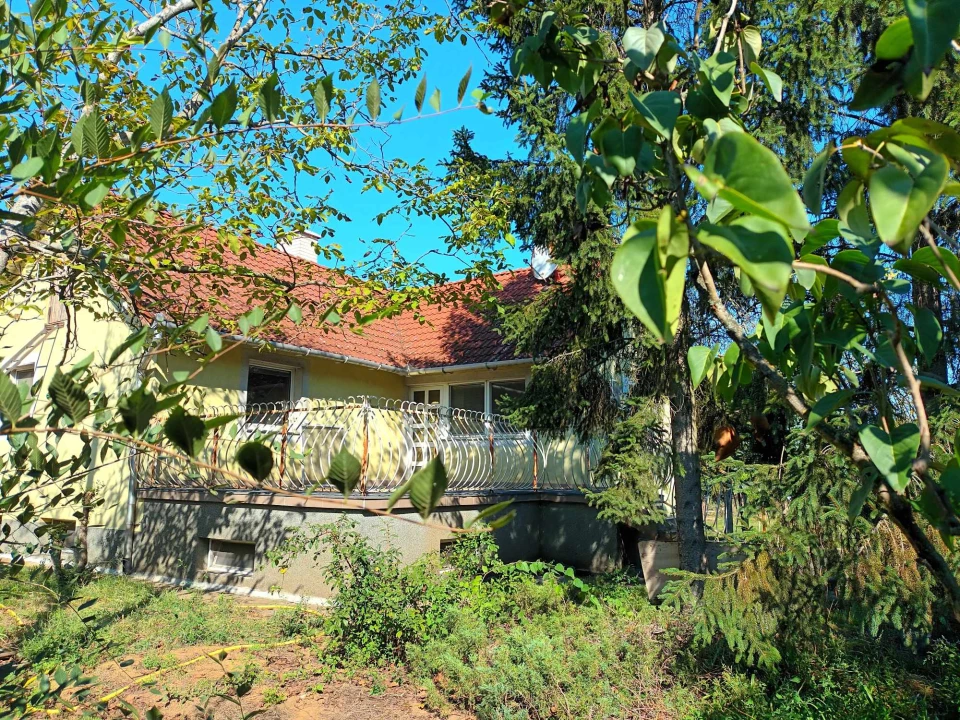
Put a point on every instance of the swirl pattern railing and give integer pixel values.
(392, 438)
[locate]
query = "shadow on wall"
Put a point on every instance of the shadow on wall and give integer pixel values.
(193, 540)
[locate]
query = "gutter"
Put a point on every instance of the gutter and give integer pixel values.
(410, 371)
(404, 371)
(300, 350)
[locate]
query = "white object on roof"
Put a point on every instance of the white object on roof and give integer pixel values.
(301, 246)
(543, 266)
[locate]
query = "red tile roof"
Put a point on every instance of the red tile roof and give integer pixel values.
(444, 335)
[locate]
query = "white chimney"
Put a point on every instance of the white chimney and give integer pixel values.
(301, 246)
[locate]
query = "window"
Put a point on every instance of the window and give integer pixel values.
(427, 396)
(468, 397)
(501, 389)
(23, 376)
(269, 385)
(230, 557)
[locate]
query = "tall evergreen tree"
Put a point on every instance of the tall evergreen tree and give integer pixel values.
(580, 332)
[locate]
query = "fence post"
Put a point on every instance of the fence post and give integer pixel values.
(283, 443)
(365, 459)
(493, 455)
(536, 460)
(728, 511)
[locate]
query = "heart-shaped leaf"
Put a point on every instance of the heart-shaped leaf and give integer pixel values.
(427, 486)
(187, 432)
(893, 454)
(256, 458)
(344, 472)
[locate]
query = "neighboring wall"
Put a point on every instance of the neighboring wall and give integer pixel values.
(85, 332)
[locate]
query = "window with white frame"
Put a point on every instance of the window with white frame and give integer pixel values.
(267, 385)
(22, 376)
(229, 556)
(469, 396)
(501, 390)
(480, 397)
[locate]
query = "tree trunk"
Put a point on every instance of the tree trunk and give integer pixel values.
(80, 545)
(686, 464)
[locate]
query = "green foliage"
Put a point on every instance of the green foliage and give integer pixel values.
(634, 467)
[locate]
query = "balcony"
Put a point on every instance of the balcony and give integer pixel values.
(392, 439)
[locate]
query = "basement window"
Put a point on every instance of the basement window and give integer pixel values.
(23, 376)
(228, 556)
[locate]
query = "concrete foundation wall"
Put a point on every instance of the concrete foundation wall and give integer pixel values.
(173, 534)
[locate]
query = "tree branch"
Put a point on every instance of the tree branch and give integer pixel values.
(161, 18)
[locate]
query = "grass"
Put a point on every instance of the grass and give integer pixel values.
(115, 617)
(521, 647)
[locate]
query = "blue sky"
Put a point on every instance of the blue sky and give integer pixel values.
(429, 139)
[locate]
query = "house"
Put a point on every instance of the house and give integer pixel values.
(406, 388)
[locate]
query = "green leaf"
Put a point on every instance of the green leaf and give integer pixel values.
(398, 493)
(750, 177)
(134, 342)
(11, 404)
(895, 42)
(464, 84)
(661, 109)
(256, 458)
(323, 96)
(813, 180)
(96, 135)
(927, 256)
(928, 333)
(752, 44)
(161, 114)
(344, 472)
(638, 280)
(199, 323)
(435, 100)
(673, 249)
(576, 136)
(893, 455)
(933, 24)
(700, 359)
(224, 106)
(420, 94)
(213, 339)
(773, 81)
(187, 432)
(69, 397)
(761, 250)
(620, 149)
(641, 46)
(900, 200)
(427, 486)
(373, 99)
(269, 97)
(295, 314)
(137, 410)
(490, 512)
(27, 169)
(826, 406)
(719, 71)
(860, 495)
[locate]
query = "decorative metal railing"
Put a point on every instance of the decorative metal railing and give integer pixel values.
(392, 439)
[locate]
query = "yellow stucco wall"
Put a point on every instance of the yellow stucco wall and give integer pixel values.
(86, 332)
(223, 383)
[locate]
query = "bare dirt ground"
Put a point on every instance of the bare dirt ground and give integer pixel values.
(288, 686)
